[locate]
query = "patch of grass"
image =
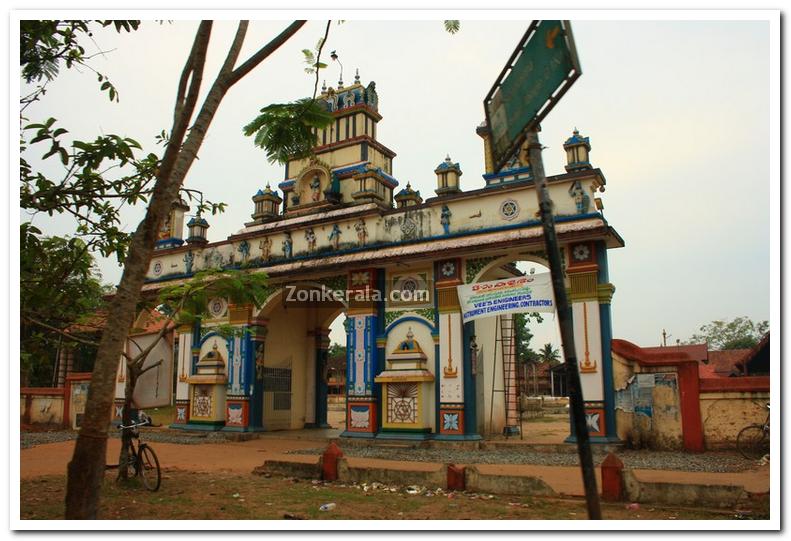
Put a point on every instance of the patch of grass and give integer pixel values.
(219, 495)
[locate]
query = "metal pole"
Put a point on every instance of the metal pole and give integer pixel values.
(566, 331)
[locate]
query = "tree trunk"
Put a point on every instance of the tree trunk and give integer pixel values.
(126, 420)
(87, 467)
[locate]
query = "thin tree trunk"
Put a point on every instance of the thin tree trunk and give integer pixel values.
(87, 467)
(126, 420)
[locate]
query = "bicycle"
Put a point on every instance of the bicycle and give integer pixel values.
(753, 440)
(143, 459)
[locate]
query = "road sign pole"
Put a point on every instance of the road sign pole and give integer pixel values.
(566, 331)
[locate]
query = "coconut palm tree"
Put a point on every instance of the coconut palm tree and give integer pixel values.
(549, 354)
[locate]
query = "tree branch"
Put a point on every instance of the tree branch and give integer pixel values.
(234, 50)
(264, 52)
(196, 63)
(59, 331)
(147, 368)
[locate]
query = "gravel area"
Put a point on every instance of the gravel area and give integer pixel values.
(651, 460)
(31, 439)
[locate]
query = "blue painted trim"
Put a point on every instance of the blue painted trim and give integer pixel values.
(380, 362)
(470, 395)
(437, 373)
(605, 325)
(458, 437)
(286, 184)
(242, 429)
(171, 242)
(506, 173)
(411, 436)
(358, 168)
(323, 253)
(321, 388)
(228, 342)
(348, 325)
(418, 319)
(607, 370)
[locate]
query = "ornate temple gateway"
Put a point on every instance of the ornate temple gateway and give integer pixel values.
(342, 221)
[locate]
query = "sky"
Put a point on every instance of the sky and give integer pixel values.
(677, 113)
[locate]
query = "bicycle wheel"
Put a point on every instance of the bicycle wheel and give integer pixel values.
(753, 442)
(148, 468)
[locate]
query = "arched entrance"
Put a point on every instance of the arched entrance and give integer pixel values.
(590, 296)
(294, 359)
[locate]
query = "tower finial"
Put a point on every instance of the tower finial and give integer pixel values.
(357, 75)
(324, 86)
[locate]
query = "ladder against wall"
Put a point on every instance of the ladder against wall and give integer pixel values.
(505, 344)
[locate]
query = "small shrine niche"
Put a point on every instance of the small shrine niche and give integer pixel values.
(207, 390)
(313, 190)
(406, 387)
(171, 233)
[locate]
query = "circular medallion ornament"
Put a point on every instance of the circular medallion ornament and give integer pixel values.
(157, 268)
(217, 307)
(509, 209)
(448, 269)
(581, 252)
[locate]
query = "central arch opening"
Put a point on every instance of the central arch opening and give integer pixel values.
(524, 391)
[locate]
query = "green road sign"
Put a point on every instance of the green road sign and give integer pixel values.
(541, 69)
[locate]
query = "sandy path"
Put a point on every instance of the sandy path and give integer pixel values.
(52, 458)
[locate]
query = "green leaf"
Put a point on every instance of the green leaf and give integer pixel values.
(452, 26)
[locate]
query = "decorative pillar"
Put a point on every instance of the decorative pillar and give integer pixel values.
(310, 382)
(208, 392)
(257, 333)
(586, 269)
(362, 415)
(244, 399)
(322, 351)
(189, 352)
(183, 371)
(456, 415)
(605, 292)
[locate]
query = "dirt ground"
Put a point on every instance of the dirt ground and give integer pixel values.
(241, 457)
(230, 496)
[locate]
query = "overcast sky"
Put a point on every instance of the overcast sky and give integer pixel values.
(677, 113)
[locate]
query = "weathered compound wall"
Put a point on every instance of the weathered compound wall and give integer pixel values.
(724, 414)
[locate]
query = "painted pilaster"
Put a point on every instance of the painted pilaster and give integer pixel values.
(184, 363)
(311, 379)
(452, 367)
(242, 374)
(322, 351)
(362, 417)
(586, 269)
(605, 292)
(257, 335)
